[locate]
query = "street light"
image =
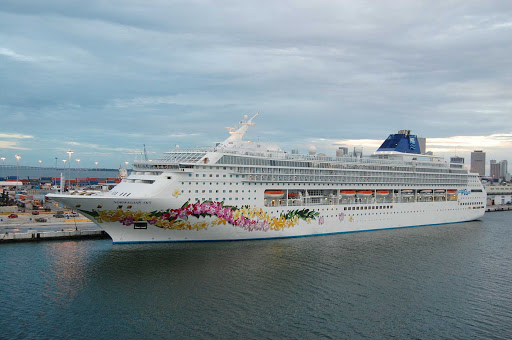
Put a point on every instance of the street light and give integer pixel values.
(63, 189)
(18, 157)
(40, 161)
(3, 165)
(69, 152)
(78, 161)
(96, 165)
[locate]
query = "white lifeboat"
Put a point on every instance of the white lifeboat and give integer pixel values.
(407, 193)
(439, 192)
(426, 193)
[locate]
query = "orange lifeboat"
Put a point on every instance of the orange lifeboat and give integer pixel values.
(347, 192)
(274, 193)
(293, 195)
(383, 192)
(364, 193)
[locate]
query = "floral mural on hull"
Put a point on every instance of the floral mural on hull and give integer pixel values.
(250, 219)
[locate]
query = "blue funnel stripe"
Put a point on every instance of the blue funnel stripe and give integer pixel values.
(401, 143)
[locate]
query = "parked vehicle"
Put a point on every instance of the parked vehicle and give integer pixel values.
(59, 215)
(72, 215)
(41, 219)
(35, 212)
(13, 215)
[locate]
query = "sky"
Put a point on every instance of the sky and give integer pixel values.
(103, 78)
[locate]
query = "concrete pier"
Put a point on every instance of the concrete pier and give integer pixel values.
(35, 235)
(26, 228)
(500, 207)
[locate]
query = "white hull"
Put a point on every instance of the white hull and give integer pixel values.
(331, 219)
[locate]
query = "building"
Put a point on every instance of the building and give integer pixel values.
(498, 194)
(503, 169)
(422, 141)
(342, 151)
(478, 162)
(495, 169)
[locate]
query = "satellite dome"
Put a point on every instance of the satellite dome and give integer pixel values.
(312, 150)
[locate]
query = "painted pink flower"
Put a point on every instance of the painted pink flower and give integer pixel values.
(128, 221)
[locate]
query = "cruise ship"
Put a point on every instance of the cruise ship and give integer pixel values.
(243, 190)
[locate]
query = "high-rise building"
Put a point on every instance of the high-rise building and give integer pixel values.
(478, 162)
(495, 169)
(342, 151)
(503, 168)
(422, 141)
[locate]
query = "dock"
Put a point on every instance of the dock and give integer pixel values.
(500, 207)
(68, 234)
(26, 228)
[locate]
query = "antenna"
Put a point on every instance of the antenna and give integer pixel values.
(145, 153)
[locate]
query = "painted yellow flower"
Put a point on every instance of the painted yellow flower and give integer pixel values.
(219, 221)
(176, 193)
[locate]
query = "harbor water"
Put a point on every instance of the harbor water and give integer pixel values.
(446, 281)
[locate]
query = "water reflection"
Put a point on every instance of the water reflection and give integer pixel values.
(66, 274)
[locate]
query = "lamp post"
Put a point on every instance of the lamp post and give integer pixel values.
(18, 157)
(78, 161)
(69, 152)
(63, 189)
(96, 165)
(40, 161)
(3, 166)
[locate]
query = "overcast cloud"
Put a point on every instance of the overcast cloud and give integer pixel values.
(103, 78)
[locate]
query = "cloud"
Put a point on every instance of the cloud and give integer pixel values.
(15, 136)
(24, 58)
(13, 55)
(167, 72)
(11, 145)
(99, 148)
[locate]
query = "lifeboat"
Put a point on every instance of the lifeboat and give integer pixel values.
(274, 193)
(452, 192)
(439, 192)
(407, 192)
(293, 195)
(347, 192)
(383, 192)
(364, 193)
(426, 193)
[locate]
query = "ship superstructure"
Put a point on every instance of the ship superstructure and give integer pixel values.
(252, 190)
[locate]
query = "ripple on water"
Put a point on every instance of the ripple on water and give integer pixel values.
(451, 281)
